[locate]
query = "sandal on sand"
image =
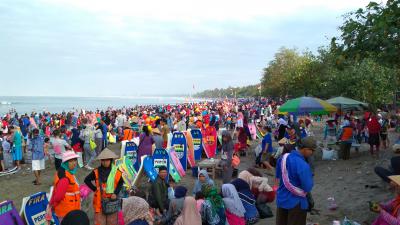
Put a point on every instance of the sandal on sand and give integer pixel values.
(315, 212)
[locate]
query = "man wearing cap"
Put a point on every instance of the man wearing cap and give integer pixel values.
(296, 181)
(100, 176)
(158, 197)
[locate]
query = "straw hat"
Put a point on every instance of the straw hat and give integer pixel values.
(308, 142)
(156, 131)
(283, 141)
(135, 120)
(107, 154)
(395, 179)
(68, 155)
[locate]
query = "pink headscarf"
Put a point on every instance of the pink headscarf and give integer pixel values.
(190, 214)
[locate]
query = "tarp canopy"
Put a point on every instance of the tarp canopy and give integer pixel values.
(344, 103)
(305, 105)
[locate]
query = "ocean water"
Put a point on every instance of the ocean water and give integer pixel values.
(28, 104)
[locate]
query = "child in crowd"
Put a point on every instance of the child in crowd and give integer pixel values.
(171, 189)
(6, 151)
(199, 200)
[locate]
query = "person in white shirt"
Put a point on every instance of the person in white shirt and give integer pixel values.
(59, 146)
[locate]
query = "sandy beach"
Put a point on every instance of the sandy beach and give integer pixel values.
(344, 180)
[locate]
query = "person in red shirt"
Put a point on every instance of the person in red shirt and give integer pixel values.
(66, 195)
(374, 129)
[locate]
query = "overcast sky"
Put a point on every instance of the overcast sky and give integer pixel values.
(130, 48)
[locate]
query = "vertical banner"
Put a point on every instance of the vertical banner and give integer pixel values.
(161, 158)
(197, 143)
(131, 152)
(179, 145)
(35, 210)
(210, 141)
(190, 149)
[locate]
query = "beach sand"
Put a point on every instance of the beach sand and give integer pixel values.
(344, 180)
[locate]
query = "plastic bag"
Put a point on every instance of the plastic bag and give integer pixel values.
(349, 222)
(328, 154)
(258, 150)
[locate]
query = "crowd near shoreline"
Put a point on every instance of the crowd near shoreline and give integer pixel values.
(79, 140)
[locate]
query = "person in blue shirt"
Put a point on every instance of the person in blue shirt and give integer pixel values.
(36, 146)
(266, 146)
(292, 207)
(104, 131)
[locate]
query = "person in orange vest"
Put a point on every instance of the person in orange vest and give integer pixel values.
(66, 195)
(346, 139)
(127, 133)
(101, 176)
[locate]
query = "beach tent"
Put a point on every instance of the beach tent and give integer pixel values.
(346, 104)
(305, 105)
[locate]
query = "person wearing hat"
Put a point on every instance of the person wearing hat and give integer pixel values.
(158, 197)
(66, 196)
(101, 176)
(128, 132)
(158, 140)
(296, 181)
(275, 156)
(266, 147)
(389, 212)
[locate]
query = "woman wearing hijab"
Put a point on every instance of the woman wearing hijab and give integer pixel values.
(109, 177)
(212, 210)
(66, 196)
(146, 142)
(227, 154)
(175, 206)
(77, 145)
(282, 125)
(76, 217)
(136, 211)
(202, 179)
(234, 209)
(246, 196)
(190, 214)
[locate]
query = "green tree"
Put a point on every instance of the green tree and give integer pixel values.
(373, 33)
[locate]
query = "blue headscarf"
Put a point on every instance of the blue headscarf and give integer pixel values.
(197, 187)
(75, 136)
(64, 165)
(180, 192)
(243, 189)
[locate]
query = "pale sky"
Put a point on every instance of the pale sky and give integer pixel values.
(130, 48)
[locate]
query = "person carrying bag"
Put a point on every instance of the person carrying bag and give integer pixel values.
(107, 185)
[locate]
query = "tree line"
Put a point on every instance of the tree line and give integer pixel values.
(363, 62)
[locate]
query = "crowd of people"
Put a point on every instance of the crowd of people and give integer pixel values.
(80, 139)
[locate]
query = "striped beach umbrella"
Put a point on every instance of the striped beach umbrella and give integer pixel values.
(305, 105)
